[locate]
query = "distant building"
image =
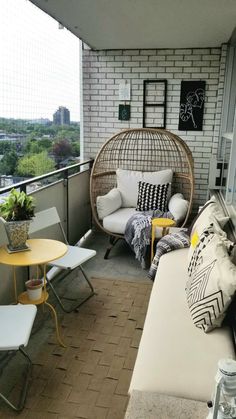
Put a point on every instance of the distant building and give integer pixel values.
(61, 116)
(40, 121)
(15, 138)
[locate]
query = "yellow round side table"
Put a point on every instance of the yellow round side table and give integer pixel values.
(41, 251)
(165, 223)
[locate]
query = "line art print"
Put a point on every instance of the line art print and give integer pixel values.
(192, 98)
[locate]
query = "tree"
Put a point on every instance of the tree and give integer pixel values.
(37, 146)
(71, 134)
(34, 148)
(6, 146)
(45, 144)
(75, 149)
(35, 164)
(8, 163)
(62, 149)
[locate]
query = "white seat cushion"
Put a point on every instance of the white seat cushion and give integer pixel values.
(174, 356)
(15, 325)
(74, 257)
(116, 222)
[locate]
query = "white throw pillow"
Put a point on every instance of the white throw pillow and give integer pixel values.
(178, 206)
(212, 280)
(108, 203)
(211, 213)
(127, 183)
(208, 214)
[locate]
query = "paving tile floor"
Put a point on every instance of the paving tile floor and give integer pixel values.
(90, 378)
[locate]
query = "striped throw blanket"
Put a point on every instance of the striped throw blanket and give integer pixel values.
(138, 232)
(166, 244)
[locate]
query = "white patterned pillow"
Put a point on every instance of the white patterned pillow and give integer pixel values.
(211, 213)
(152, 197)
(212, 280)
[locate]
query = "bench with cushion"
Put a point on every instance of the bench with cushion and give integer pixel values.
(175, 357)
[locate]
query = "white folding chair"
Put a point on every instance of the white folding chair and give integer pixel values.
(16, 322)
(72, 260)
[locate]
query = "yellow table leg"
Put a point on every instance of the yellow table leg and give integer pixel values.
(163, 223)
(56, 324)
(153, 238)
(164, 231)
(152, 241)
(44, 282)
(14, 280)
(52, 308)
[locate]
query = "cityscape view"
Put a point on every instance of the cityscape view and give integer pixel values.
(39, 107)
(31, 148)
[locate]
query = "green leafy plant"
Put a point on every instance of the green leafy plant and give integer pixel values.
(17, 206)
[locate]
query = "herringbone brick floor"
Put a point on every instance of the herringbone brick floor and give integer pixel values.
(90, 378)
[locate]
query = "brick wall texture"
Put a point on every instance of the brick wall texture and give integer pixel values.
(103, 71)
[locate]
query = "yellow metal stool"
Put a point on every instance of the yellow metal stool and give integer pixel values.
(165, 223)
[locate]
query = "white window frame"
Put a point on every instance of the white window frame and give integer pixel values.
(228, 126)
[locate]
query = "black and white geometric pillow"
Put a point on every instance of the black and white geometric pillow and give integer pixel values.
(152, 197)
(196, 258)
(212, 281)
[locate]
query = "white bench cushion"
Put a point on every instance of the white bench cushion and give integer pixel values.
(174, 356)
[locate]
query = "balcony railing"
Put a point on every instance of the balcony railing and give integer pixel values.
(68, 190)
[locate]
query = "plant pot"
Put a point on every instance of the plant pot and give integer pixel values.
(17, 233)
(34, 289)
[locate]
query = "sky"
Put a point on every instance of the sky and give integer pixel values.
(39, 63)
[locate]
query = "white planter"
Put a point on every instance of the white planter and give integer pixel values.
(34, 289)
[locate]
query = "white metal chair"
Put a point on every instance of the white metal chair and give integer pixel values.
(72, 260)
(16, 322)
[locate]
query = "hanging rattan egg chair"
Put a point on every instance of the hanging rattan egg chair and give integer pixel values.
(141, 149)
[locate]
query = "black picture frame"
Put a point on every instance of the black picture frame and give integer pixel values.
(157, 107)
(124, 112)
(191, 109)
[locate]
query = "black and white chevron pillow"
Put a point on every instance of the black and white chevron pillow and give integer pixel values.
(152, 197)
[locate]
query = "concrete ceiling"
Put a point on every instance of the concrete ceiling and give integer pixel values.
(128, 24)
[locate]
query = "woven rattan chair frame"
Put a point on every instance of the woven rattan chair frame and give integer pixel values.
(142, 149)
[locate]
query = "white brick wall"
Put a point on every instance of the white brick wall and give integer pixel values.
(104, 70)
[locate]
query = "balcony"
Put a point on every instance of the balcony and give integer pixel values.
(90, 377)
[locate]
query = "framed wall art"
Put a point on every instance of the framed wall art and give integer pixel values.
(124, 112)
(154, 103)
(192, 98)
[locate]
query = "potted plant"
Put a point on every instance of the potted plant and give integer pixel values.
(34, 289)
(17, 210)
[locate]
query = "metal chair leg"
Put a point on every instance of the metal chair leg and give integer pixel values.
(59, 298)
(112, 241)
(24, 390)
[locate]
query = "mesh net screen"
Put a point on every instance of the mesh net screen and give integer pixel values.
(39, 72)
